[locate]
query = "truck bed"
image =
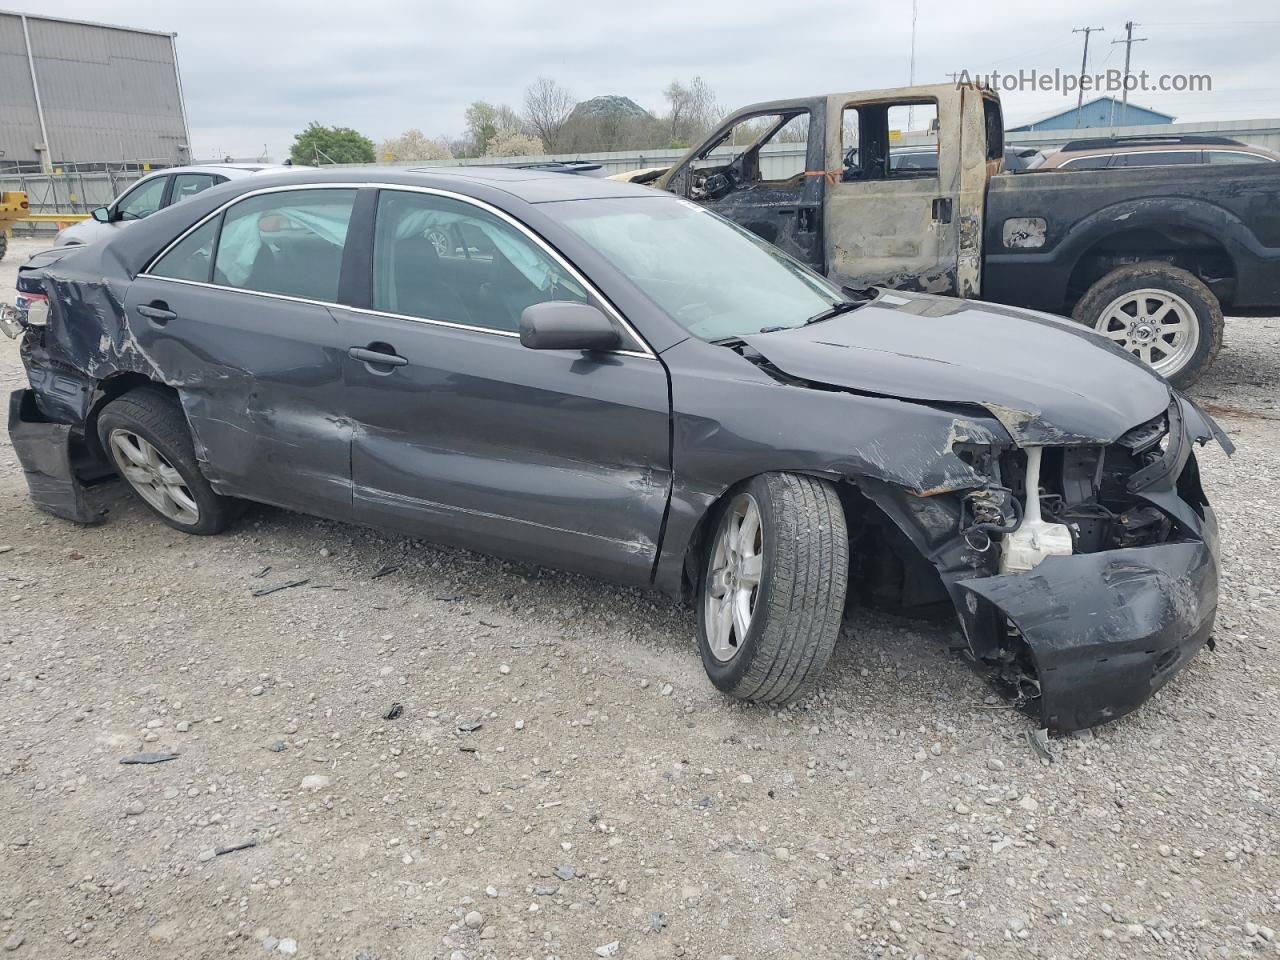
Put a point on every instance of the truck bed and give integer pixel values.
(1048, 235)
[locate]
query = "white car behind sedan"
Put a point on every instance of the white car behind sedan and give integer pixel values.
(156, 191)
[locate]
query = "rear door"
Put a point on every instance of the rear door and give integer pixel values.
(764, 171)
(904, 200)
(466, 436)
(236, 316)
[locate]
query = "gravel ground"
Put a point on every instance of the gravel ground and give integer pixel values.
(562, 781)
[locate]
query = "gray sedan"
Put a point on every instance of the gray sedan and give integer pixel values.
(607, 378)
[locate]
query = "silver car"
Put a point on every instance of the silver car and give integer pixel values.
(155, 191)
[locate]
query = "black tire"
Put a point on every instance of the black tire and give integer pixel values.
(1174, 280)
(799, 600)
(4, 245)
(155, 415)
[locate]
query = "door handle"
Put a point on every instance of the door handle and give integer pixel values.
(942, 209)
(157, 311)
(378, 357)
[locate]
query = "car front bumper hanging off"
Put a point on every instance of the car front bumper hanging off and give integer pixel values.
(1107, 630)
(45, 451)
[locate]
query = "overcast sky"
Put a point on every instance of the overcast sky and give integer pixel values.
(257, 72)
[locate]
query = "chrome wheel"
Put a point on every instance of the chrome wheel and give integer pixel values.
(1156, 326)
(154, 477)
(733, 580)
(440, 240)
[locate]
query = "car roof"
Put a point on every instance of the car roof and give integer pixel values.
(529, 185)
(225, 169)
(1054, 158)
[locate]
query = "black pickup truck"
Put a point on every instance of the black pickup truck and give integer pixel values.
(1147, 256)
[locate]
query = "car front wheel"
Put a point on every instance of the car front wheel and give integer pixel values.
(772, 591)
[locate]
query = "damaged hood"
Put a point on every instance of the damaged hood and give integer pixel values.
(1047, 380)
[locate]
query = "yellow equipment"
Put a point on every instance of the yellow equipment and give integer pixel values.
(14, 207)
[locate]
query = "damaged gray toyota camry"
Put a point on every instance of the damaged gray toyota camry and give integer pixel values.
(602, 377)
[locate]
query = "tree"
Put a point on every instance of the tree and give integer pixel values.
(547, 106)
(692, 110)
(486, 121)
(319, 145)
(482, 124)
(413, 145)
(513, 143)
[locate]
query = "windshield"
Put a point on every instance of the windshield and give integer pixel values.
(711, 276)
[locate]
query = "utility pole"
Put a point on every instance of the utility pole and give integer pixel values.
(911, 79)
(1084, 65)
(1128, 41)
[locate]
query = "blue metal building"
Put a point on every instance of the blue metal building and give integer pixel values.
(1100, 112)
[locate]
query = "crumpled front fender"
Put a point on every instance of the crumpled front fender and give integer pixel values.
(1107, 630)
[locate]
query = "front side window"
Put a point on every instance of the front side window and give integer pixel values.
(1087, 163)
(768, 149)
(289, 242)
(143, 200)
(714, 278)
(188, 185)
(441, 259)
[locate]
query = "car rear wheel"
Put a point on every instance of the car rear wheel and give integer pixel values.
(771, 595)
(1163, 315)
(146, 436)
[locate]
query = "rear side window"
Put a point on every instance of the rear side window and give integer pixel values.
(882, 141)
(1231, 156)
(994, 124)
(288, 243)
(442, 259)
(913, 140)
(188, 185)
(192, 258)
(1156, 158)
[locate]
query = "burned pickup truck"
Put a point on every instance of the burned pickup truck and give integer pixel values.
(905, 189)
(607, 378)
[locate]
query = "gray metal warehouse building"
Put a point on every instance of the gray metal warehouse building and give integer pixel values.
(85, 93)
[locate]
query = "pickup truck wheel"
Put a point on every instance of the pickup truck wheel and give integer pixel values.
(1163, 315)
(146, 435)
(4, 245)
(771, 595)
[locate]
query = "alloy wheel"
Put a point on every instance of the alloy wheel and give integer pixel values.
(733, 585)
(1156, 326)
(153, 477)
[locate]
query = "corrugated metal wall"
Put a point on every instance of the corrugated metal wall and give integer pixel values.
(108, 93)
(19, 122)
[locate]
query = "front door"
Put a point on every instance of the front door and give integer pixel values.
(764, 171)
(466, 436)
(236, 317)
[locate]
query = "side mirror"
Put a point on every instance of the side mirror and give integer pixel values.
(565, 325)
(102, 215)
